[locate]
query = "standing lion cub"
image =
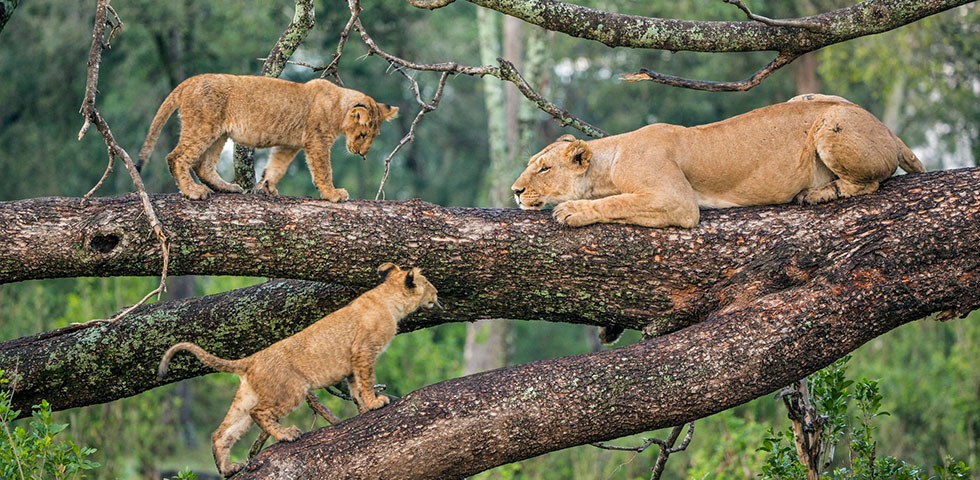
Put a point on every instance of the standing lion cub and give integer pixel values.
(344, 344)
(263, 112)
(811, 149)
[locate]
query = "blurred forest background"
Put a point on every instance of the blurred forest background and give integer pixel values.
(922, 80)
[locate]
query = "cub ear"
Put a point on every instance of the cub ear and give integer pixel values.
(578, 154)
(359, 114)
(386, 268)
(410, 278)
(566, 138)
(388, 112)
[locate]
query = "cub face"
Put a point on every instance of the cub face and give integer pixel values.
(554, 174)
(363, 122)
(412, 282)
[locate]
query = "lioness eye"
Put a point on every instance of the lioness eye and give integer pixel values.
(544, 169)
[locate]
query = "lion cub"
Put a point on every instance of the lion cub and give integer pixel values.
(811, 149)
(263, 112)
(342, 345)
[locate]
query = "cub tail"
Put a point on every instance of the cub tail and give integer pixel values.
(906, 159)
(166, 109)
(219, 364)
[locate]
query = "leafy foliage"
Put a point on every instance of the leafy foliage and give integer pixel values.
(33, 453)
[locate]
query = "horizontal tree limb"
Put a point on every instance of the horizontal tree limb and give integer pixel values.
(622, 30)
(487, 263)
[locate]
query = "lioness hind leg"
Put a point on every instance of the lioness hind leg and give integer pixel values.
(857, 148)
(207, 168)
(839, 188)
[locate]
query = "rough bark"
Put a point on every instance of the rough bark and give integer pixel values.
(622, 30)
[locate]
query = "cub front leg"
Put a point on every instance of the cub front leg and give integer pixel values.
(318, 159)
(645, 209)
(363, 358)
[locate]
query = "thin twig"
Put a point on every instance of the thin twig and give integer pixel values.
(331, 68)
(100, 41)
(794, 23)
(506, 71)
(108, 170)
(410, 136)
(780, 61)
(315, 68)
(666, 447)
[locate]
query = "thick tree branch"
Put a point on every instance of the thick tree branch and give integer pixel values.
(621, 30)
(487, 264)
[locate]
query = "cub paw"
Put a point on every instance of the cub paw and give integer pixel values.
(197, 192)
(232, 469)
(574, 213)
(265, 187)
(378, 402)
(813, 196)
(292, 433)
(335, 195)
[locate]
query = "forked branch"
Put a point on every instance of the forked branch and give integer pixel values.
(100, 41)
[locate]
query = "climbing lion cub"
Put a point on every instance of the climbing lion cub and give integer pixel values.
(263, 112)
(344, 344)
(811, 149)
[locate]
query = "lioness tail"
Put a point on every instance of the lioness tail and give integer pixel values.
(906, 159)
(163, 114)
(219, 364)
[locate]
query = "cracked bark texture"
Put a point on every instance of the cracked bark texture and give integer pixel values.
(622, 30)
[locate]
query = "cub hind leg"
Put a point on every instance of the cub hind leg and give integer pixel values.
(857, 148)
(186, 155)
(235, 424)
(207, 169)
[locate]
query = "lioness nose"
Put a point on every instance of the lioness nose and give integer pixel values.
(519, 191)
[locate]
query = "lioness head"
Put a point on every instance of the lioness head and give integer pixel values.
(413, 282)
(363, 122)
(552, 175)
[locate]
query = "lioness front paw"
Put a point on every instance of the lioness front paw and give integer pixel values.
(335, 195)
(292, 433)
(574, 213)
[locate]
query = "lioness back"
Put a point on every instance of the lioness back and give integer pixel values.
(813, 149)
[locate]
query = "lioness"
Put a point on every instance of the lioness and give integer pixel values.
(263, 112)
(811, 149)
(344, 344)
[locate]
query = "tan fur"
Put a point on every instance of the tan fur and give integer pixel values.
(811, 149)
(263, 112)
(342, 345)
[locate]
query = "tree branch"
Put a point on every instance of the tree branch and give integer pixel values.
(486, 263)
(6, 11)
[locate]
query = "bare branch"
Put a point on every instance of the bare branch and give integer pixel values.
(331, 68)
(794, 23)
(100, 41)
(666, 447)
(780, 61)
(410, 136)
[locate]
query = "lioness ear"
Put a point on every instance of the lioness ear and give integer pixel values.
(359, 114)
(385, 269)
(566, 138)
(579, 154)
(388, 112)
(410, 278)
